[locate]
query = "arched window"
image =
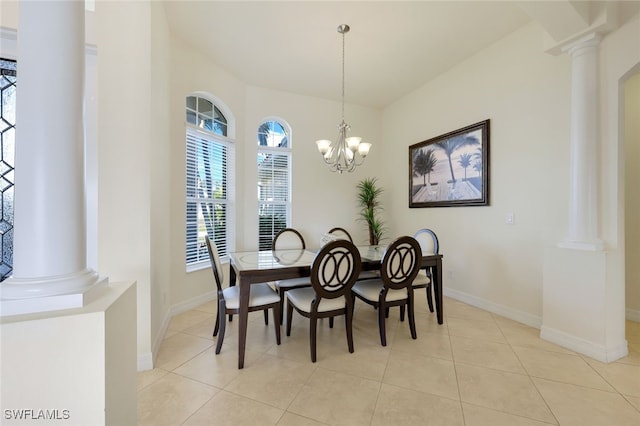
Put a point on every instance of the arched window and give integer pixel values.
(209, 189)
(274, 180)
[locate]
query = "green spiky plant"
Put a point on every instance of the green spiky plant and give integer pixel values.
(369, 203)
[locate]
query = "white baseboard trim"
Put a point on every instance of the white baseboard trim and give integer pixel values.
(147, 361)
(505, 311)
(187, 305)
(590, 349)
(633, 314)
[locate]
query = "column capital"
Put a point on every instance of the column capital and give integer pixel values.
(583, 44)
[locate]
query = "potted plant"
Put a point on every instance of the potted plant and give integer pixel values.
(369, 202)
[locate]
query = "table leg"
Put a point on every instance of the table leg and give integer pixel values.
(437, 289)
(243, 315)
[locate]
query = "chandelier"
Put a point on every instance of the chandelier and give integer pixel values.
(347, 152)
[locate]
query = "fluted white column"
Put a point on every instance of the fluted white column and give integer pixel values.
(50, 227)
(583, 195)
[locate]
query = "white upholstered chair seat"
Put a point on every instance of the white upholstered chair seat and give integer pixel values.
(301, 298)
(370, 290)
(293, 282)
(421, 279)
(260, 294)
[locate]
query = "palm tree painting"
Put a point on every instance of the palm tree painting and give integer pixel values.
(424, 161)
(442, 169)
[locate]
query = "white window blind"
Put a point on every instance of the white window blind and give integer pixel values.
(208, 162)
(274, 181)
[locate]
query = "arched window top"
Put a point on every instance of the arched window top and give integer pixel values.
(209, 114)
(274, 133)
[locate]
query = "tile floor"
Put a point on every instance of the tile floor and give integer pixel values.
(476, 369)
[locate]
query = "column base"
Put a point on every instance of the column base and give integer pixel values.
(22, 296)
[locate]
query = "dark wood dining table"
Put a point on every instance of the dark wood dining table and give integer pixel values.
(262, 266)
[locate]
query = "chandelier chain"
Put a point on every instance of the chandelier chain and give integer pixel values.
(343, 35)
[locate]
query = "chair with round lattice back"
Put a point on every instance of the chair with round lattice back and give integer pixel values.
(333, 273)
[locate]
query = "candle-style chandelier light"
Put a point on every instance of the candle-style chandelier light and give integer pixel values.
(346, 152)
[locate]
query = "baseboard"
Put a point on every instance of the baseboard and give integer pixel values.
(187, 305)
(505, 311)
(590, 349)
(147, 361)
(633, 315)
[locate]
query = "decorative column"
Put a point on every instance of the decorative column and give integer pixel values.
(50, 228)
(583, 208)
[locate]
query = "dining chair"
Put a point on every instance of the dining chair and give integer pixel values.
(333, 273)
(343, 233)
(286, 239)
(261, 298)
(399, 267)
(428, 241)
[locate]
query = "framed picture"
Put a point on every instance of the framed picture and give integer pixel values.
(451, 170)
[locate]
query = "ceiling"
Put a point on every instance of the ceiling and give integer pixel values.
(393, 47)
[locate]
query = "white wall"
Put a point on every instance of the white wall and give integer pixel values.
(160, 159)
(525, 93)
(632, 194)
(321, 199)
(124, 152)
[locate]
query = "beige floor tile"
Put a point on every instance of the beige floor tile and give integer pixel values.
(527, 337)
(145, 378)
(561, 367)
(480, 416)
(499, 356)
(579, 406)
(216, 370)
(475, 329)
(290, 419)
(272, 380)
(461, 310)
(435, 345)
(171, 400)
(178, 349)
(502, 391)
(209, 307)
(227, 409)
(633, 356)
(401, 406)
(337, 399)
(368, 360)
(625, 378)
(204, 329)
(424, 374)
(633, 400)
(188, 319)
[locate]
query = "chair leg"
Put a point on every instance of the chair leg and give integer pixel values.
(330, 322)
(276, 323)
(223, 326)
(401, 312)
(429, 297)
(382, 326)
(266, 317)
(217, 326)
(349, 327)
(289, 317)
(412, 320)
(313, 328)
(281, 293)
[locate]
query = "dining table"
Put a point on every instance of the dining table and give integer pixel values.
(252, 267)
